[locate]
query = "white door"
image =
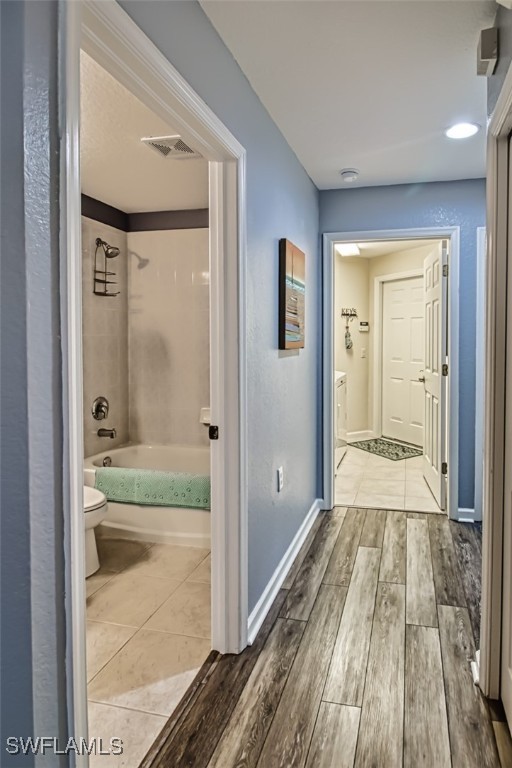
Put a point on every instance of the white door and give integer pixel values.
(506, 625)
(435, 384)
(402, 360)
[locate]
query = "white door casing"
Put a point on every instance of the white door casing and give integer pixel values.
(330, 239)
(435, 384)
(497, 269)
(403, 360)
(506, 624)
(110, 36)
(480, 371)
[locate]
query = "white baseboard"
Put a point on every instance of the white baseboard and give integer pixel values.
(475, 668)
(363, 434)
(466, 515)
(263, 605)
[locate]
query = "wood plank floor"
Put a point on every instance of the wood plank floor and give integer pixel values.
(362, 661)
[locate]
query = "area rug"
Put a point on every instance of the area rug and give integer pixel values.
(388, 449)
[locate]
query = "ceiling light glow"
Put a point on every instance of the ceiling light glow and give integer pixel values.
(347, 249)
(462, 130)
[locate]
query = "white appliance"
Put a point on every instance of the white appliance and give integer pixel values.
(340, 420)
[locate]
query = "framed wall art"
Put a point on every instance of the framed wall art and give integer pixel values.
(292, 292)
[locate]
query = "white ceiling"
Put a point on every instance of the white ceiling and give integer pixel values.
(370, 84)
(371, 250)
(116, 168)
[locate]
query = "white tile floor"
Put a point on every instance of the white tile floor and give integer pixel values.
(367, 480)
(148, 632)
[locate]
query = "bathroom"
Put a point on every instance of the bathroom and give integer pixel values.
(146, 395)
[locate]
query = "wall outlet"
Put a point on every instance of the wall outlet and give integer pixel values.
(280, 479)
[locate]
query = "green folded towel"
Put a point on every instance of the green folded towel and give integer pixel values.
(153, 487)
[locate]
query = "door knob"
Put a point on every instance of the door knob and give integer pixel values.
(422, 379)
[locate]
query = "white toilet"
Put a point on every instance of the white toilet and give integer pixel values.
(95, 511)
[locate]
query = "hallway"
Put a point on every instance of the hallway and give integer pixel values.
(363, 660)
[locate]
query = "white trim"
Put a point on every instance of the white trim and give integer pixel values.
(71, 326)
(108, 34)
(362, 434)
(497, 187)
(427, 233)
(328, 368)
(466, 515)
(475, 669)
(480, 370)
(376, 377)
(115, 41)
(268, 596)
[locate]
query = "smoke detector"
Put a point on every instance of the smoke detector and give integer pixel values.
(171, 146)
(349, 175)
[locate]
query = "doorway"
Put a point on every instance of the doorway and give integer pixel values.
(395, 457)
(146, 385)
(107, 34)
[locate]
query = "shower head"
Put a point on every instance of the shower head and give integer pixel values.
(142, 261)
(110, 251)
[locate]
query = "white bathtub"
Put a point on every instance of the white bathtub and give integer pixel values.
(172, 525)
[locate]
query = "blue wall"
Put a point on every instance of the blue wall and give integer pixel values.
(15, 627)
(439, 204)
(283, 393)
(32, 603)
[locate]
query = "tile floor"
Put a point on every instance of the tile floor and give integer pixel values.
(148, 633)
(367, 480)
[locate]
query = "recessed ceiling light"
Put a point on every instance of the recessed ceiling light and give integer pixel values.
(462, 130)
(347, 249)
(349, 175)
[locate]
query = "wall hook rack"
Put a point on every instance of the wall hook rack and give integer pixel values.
(348, 314)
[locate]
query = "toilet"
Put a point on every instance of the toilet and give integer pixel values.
(95, 511)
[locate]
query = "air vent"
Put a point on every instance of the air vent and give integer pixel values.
(171, 146)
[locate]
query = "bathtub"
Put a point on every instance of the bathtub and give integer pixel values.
(171, 525)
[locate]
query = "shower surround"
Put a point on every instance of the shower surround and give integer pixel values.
(105, 339)
(169, 344)
(147, 349)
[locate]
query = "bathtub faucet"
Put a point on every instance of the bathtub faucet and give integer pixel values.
(107, 433)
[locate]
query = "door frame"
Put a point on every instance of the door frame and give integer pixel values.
(376, 377)
(480, 374)
(107, 33)
(422, 233)
(497, 252)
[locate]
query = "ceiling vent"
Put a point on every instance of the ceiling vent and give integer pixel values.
(171, 146)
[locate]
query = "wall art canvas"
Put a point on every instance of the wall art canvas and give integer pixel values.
(292, 291)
